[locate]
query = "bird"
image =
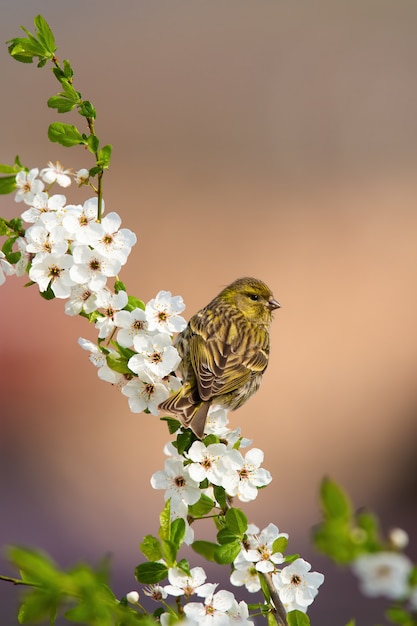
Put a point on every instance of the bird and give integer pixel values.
(224, 353)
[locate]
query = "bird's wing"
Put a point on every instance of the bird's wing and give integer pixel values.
(223, 365)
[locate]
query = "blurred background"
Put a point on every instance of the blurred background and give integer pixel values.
(272, 139)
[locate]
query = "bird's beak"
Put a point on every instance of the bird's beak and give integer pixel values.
(273, 304)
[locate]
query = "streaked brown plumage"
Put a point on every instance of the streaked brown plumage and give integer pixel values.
(224, 352)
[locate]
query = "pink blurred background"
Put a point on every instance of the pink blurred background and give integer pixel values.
(273, 139)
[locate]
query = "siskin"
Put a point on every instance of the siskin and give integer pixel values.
(224, 351)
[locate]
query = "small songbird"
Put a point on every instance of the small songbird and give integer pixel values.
(224, 351)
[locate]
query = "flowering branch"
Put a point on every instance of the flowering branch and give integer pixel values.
(71, 252)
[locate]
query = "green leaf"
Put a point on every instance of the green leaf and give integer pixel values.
(280, 545)
(117, 364)
(178, 532)
(151, 573)
(61, 103)
(48, 294)
(351, 622)
(205, 548)
(7, 169)
(104, 156)
(86, 109)
(7, 184)
(227, 553)
(202, 507)
(334, 501)
(225, 535)
(151, 548)
(173, 424)
(297, 618)
(134, 303)
(169, 552)
(271, 619)
(41, 45)
(398, 615)
(67, 69)
(184, 440)
(236, 521)
(45, 34)
(264, 587)
(65, 134)
(119, 286)
(220, 495)
(93, 143)
(34, 565)
(7, 249)
(165, 522)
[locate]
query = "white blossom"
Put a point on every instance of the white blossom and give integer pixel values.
(56, 173)
(180, 584)
(131, 324)
(54, 270)
(245, 573)
(296, 585)
(105, 237)
(155, 355)
(79, 219)
(162, 313)
(260, 549)
(156, 592)
(98, 359)
(383, 574)
(42, 242)
(81, 176)
(28, 185)
(92, 268)
(111, 303)
(25, 257)
(42, 204)
(6, 268)
(132, 597)
(245, 475)
(208, 462)
(145, 393)
(81, 298)
(177, 482)
(239, 613)
(214, 611)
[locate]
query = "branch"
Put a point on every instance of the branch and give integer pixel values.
(279, 612)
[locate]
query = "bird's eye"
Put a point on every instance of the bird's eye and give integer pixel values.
(253, 296)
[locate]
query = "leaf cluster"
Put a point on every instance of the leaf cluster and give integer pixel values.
(81, 594)
(344, 534)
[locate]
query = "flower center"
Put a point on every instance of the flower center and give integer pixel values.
(162, 316)
(54, 271)
(156, 357)
(95, 265)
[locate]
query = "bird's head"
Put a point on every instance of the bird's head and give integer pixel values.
(253, 298)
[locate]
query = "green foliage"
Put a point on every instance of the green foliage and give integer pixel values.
(207, 549)
(151, 573)
(201, 508)
(8, 182)
(65, 134)
(134, 303)
(81, 594)
(399, 615)
(297, 618)
(41, 45)
(343, 535)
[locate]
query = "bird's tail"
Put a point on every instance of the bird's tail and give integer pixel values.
(191, 413)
